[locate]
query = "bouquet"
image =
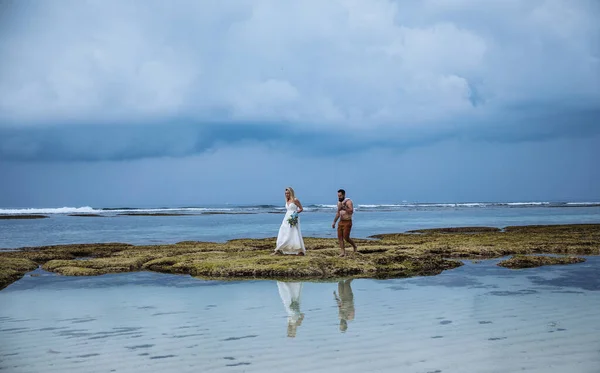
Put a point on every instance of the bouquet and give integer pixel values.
(293, 219)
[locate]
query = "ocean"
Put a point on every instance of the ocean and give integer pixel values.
(164, 225)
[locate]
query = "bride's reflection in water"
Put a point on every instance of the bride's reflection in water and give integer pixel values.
(290, 296)
(345, 302)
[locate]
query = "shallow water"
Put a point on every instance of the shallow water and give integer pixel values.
(476, 318)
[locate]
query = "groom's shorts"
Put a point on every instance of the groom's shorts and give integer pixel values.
(344, 228)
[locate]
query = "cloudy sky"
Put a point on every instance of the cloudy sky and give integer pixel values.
(114, 103)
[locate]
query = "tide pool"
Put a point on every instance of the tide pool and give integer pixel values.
(476, 318)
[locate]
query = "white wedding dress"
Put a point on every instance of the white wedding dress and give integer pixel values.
(290, 293)
(290, 296)
(289, 239)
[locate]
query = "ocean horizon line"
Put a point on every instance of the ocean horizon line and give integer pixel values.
(261, 208)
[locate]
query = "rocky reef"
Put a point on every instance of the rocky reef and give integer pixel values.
(22, 216)
(417, 253)
(530, 261)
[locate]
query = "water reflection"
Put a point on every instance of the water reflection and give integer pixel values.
(173, 321)
(290, 293)
(345, 302)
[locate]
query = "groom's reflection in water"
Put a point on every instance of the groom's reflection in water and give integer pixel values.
(345, 302)
(290, 296)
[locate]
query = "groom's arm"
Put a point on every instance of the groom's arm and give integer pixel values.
(347, 208)
(337, 299)
(337, 216)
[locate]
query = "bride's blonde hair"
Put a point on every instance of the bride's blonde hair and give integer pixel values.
(292, 194)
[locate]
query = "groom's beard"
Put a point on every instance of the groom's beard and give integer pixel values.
(341, 199)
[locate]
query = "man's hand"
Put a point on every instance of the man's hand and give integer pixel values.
(333, 225)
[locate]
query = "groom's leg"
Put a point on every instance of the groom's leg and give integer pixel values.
(340, 232)
(347, 235)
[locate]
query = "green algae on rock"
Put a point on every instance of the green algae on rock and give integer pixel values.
(12, 269)
(530, 261)
(382, 256)
(457, 230)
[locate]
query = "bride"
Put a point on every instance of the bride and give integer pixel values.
(290, 295)
(289, 239)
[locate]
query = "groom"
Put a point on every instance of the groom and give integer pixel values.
(345, 209)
